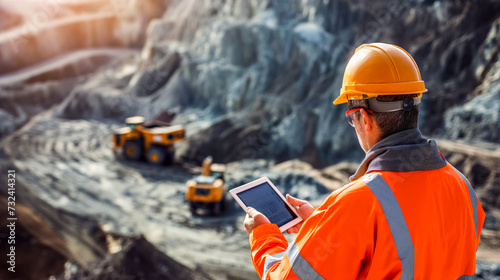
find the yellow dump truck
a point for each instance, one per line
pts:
(154, 141)
(207, 191)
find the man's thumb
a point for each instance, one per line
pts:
(294, 201)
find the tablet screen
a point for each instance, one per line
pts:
(265, 200)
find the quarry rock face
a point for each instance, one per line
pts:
(280, 69)
(57, 28)
(49, 48)
(478, 118)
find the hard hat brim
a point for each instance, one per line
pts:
(359, 95)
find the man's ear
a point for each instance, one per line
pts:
(365, 120)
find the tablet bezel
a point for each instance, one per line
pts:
(234, 193)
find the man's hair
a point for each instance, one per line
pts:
(390, 122)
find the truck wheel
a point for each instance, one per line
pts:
(169, 156)
(156, 155)
(132, 150)
(216, 208)
(222, 205)
(192, 208)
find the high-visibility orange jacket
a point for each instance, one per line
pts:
(407, 214)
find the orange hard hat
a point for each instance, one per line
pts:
(380, 69)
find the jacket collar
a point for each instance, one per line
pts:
(403, 151)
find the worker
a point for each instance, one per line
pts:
(406, 214)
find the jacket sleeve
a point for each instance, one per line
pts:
(267, 243)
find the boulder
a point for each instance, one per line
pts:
(47, 237)
(478, 118)
(137, 259)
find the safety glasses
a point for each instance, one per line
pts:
(349, 115)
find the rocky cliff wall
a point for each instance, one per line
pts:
(278, 65)
(48, 30)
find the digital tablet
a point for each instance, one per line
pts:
(264, 197)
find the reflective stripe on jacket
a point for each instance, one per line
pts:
(384, 225)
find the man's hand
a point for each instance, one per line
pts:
(304, 209)
(254, 219)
